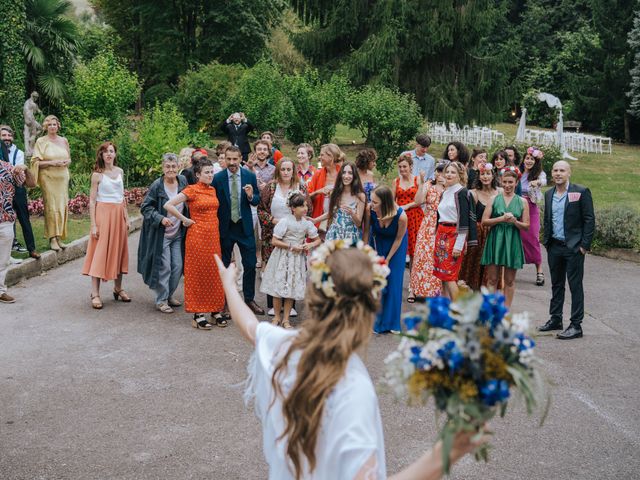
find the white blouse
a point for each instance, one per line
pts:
(279, 207)
(351, 429)
(448, 212)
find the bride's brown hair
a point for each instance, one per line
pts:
(334, 329)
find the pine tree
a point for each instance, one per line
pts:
(634, 86)
(453, 55)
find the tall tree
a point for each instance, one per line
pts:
(12, 62)
(634, 87)
(453, 55)
(165, 38)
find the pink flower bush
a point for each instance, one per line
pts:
(80, 203)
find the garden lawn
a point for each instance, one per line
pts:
(613, 179)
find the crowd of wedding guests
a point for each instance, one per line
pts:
(468, 218)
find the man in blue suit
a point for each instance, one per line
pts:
(237, 190)
(569, 224)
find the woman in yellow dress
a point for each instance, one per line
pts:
(50, 164)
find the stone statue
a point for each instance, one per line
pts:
(31, 126)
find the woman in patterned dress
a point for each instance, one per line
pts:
(202, 286)
(424, 284)
(346, 206)
(405, 188)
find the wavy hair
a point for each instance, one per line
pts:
(334, 150)
(535, 171)
(99, 165)
(334, 329)
(463, 152)
(336, 193)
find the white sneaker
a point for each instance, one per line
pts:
(293, 313)
(15, 261)
(271, 312)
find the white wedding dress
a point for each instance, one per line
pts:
(351, 430)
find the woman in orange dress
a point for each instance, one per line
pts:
(202, 286)
(405, 188)
(321, 184)
(424, 284)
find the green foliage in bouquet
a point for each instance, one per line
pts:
(469, 355)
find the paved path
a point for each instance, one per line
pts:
(129, 393)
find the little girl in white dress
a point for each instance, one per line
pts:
(285, 277)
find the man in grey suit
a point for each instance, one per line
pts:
(569, 224)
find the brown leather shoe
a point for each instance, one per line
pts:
(6, 298)
(255, 308)
(34, 254)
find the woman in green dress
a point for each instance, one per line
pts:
(507, 215)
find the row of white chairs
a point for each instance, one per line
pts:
(574, 142)
(469, 135)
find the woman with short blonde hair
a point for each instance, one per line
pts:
(50, 165)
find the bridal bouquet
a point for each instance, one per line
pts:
(471, 356)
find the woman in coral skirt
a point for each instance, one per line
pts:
(107, 255)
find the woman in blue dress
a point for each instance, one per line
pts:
(388, 235)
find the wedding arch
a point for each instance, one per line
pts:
(552, 102)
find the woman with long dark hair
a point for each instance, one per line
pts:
(532, 180)
(346, 206)
(456, 152)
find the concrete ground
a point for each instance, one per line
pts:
(130, 393)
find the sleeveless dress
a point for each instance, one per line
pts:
(202, 285)
(342, 226)
(531, 238)
(54, 183)
(504, 245)
(423, 282)
(414, 215)
(382, 239)
(108, 255)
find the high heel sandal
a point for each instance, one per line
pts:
(219, 319)
(287, 325)
(96, 302)
(60, 244)
(200, 322)
(121, 295)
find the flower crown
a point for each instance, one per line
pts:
(511, 168)
(535, 152)
(485, 166)
(321, 273)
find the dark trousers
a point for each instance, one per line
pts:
(247, 245)
(565, 264)
(22, 212)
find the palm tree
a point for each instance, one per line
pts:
(50, 44)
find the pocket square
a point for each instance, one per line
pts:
(574, 196)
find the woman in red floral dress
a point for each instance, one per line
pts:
(405, 188)
(423, 283)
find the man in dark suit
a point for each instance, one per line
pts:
(237, 127)
(237, 190)
(569, 224)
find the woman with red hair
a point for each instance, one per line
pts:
(108, 250)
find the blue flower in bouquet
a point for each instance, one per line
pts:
(439, 313)
(412, 322)
(494, 391)
(417, 359)
(523, 343)
(493, 309)
(452, 355)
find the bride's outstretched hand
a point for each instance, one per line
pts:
(227, 274)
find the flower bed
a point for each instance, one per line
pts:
(80, 203)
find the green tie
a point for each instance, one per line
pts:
(235, 207)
